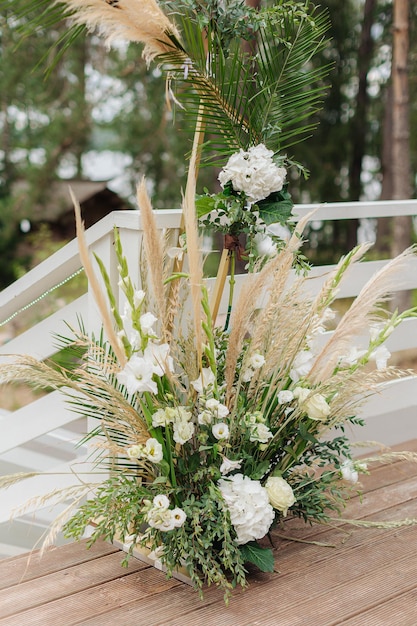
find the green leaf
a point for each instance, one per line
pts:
(276, 207)
(261, 557)
(260, 470)
(204, 204)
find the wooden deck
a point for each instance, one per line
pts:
(368, 577)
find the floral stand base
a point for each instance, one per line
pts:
(147, 556)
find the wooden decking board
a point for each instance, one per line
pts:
(25, 567)
(370, 579)
(61, 583)
(399, 611)
(95, 601)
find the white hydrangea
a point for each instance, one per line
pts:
(250, 511)
(254, 172)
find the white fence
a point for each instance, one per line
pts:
(42, 434)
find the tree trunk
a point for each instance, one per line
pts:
(401, 168)
(359, 121)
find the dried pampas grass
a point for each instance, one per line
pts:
(140, 21)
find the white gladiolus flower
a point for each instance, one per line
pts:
(138, 297)
(146, 321)
(301, 366)
(250, 511)
(204, 381)
(380, 356)
(253, 172)
(352, 357)
(153, 451)
(220, 430)
(228, 466)
(158, 355)
(285, 396)
(136, 376)
(280, 494)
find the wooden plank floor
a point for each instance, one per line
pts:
(364, 577)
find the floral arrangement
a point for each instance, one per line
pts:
(213, 435)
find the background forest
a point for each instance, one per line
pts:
(102, 115)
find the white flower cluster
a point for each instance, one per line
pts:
(151, 451)
(258, 430)
(180, 418)
(254, 172)
(250, 511)
(149, 357)
(349, 470)
(212, 410)
(161, 517)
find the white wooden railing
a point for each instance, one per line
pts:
(42, 434)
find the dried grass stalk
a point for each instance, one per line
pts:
(276, 274)
(362, 311)
(95, 286)
(193, 242)
(154, 252)
(141, 21)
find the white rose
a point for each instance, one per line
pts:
(220, 430)
(160, 418)
(183, 431)
(260, 432)
(285, 396)
(280, 493)
(316, 407)
(160, 501)
(178, 516)
(134, 452)
(153, 451)
(256, 361)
